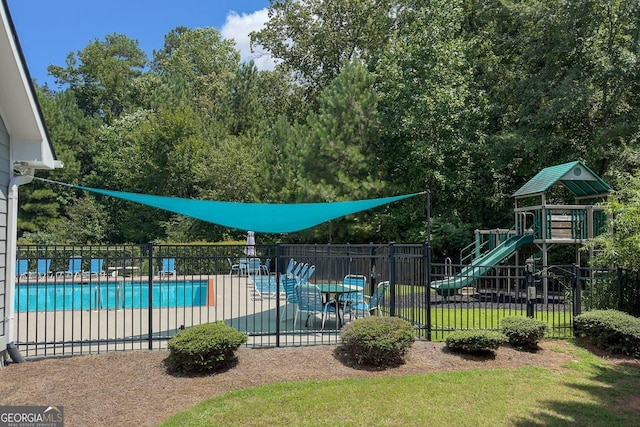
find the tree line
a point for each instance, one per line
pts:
(370, 98)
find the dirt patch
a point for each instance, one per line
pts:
(135, 388)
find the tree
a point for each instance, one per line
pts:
(42, 205)
(163, 152)
(86, 223)
(203, 64)
(316, 39)
(432, 114)
(278, 171)
(194, 53)
(561, 78)
(101, 75)
(620, 245)
(371, 97)
(336, 154)
(39, 211)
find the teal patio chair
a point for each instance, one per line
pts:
(244, 266)
(43, 268)
(368, 304)
(22, 268)
(253, 266)
(296, 270)
(375, 300)
(75, 268)
(95, 267)
(265, 285)
(290, 267)
(310, 301)
(233, 268)
(304, 278)
(354, 299)
(264, 268)
(301, 272)
(288, 285)
(167, 267)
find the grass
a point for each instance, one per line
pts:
(444, 320)
(482, 318)
(590, 391)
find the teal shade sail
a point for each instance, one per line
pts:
(259, 217)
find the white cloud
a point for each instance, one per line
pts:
(238, 27)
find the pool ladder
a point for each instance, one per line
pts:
(97, 298)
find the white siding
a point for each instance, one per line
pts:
(5, 170)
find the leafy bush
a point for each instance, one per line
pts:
(610, 330)
(475, 341)
(204, 347)
(523, 332)
(601, 292)
(377, 341)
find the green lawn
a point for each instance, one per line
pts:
(590, 391)
(444, 320)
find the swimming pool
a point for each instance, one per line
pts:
(94, 296)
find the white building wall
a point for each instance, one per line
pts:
(5, 172)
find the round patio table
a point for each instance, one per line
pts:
(337, 289)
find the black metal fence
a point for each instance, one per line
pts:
(88, 299)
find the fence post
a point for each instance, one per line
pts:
(372, 274)
(577, 290)
(531, 288)
(392, 278)
(620, 290)
(278, 313)
(150, 295)
(426, 257)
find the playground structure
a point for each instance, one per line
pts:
(538, 222)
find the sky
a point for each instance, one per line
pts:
(49, 30)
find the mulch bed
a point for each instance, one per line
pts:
(137, 388)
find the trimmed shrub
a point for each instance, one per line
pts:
(610, 330)
(377, 341)
(204, 347)
(523, 332)
(475, 341)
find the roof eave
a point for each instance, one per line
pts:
(30, 141)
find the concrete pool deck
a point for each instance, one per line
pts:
(236, 302)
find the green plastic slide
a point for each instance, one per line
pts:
(480, 265)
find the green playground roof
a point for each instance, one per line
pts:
(575, 176)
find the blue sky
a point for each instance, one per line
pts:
(49, 30)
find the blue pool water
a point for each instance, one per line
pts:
(93, 296)
(266, 284)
